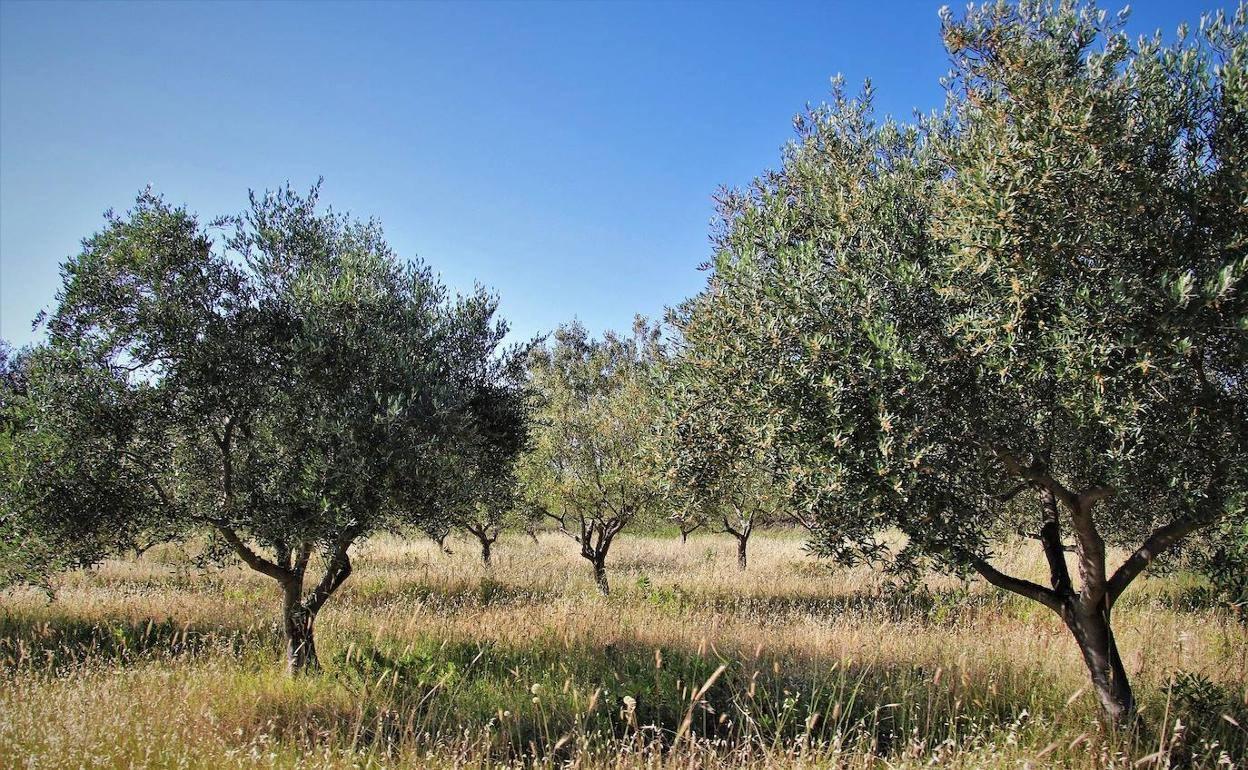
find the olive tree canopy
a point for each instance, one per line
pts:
(1026, 314)
(292, 387)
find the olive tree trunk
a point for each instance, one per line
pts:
(742, 532)
(742, 557)
(1095, 637)
(594, 537)
(486, 537)
(299, 610)
(600, 573)
(1086, 610)
(299, 625)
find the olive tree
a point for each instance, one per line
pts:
(1026, 313)
(61, 419)
(478, 494)
(592, 466)
(688, 522)
(736, 502)
(287, 387)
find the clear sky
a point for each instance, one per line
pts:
(563, 154)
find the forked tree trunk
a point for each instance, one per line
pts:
(441, 541)
(1086, 611)
(299, 624)
(486, 536)
(595, 539)
(487, 540)
(742, 534)
(743, 541)
(686, 530)
(299, 611)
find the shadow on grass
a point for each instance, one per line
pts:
(926, 607)
(446, 598)
(65, 642)
(554, 692)
(549, 697)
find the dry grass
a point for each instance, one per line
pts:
(431, 660)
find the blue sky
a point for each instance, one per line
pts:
(563, 154)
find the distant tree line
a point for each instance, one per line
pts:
(1026, 313)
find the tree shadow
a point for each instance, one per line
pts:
(927, 607)
(64, 642)
(533, 695)
(447, 598)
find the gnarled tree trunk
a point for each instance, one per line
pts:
(594, 538)
(741, 532)
(298, 623)
(298, 610)
(486, 537)
(600, 573)
(1095, 637)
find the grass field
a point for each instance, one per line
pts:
(431, 660)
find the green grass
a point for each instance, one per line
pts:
(431, 661)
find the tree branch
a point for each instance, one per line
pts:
(1161, 540)
(1026, 588)
(1066, 548)
(1010, 494)
(1091, 550)
(685, 527)
(336, 572)
(1037, 474)
(250, 557)
(1095, 493)
(301, 561)
(1051, 539)
(563, 527)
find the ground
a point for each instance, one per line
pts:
(432, 660)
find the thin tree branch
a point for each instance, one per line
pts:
(1010, 494)
(563, 526)
(1037, 474)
